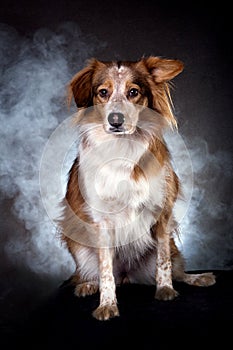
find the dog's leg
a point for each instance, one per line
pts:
(108, 302)
(196, 279)
(204, 279)
(164, 287)
(84, 279)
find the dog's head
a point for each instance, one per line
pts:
(118, 88)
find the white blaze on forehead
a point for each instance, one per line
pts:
(123, 70)
(119, 76)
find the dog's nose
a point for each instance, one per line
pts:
(116, 119)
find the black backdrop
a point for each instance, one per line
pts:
(199, 34)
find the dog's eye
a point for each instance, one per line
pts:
(103, 93)
(133, 92)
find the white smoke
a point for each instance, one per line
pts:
(207, 232)
(34, 75)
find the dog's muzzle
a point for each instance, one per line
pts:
(116, 120)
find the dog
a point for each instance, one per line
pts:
(118, 222)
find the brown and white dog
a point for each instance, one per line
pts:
(118, 219)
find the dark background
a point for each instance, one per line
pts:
(43, 43)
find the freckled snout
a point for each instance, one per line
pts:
(116, 120)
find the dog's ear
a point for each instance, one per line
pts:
(80, 87)
(163, 70)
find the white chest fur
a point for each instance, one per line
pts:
(121, 205)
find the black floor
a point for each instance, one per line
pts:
(198, 315)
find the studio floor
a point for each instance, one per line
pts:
(197, 315)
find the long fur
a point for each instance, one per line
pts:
(118, 219)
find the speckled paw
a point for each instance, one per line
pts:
(106, 312)
(87, 288)
(165, 293)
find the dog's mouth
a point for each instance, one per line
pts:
(120, 130)
(117, 130)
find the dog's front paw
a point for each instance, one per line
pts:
(165, 293)
(86, 288)
(105, 312)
